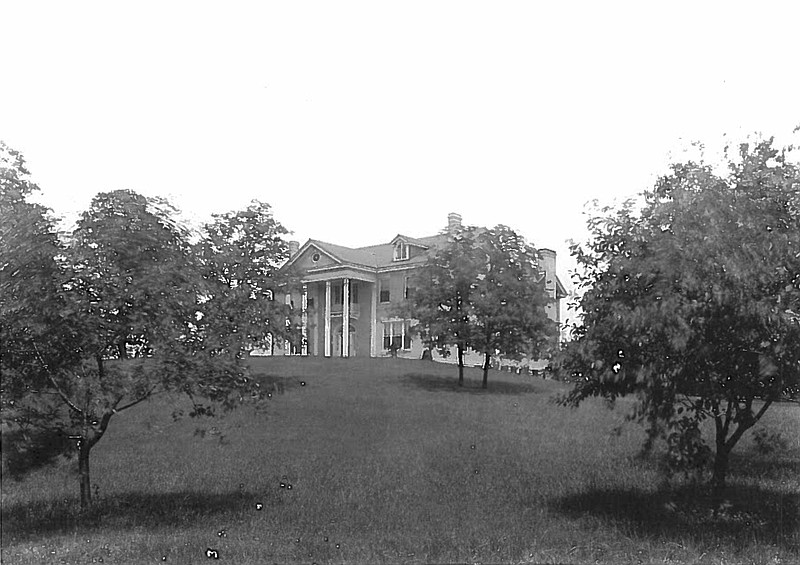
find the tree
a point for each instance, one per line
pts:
(241, 253)
(29, 306)
(481, 290)
(440, 294)
(692, 303)
(99, 323)
(508, 306)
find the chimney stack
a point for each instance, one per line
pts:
(453, 223)
(294, 247)
(549, 267)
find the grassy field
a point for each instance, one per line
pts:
(386, 461)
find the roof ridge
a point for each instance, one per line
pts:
(408, 237)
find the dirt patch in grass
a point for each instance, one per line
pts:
(748, 514)
(438, 383)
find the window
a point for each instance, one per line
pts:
(406, 289)
(384, 293)
(337, 292)
(400, 251)
(397, 333)
(315, 257)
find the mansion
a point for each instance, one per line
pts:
(349, 295)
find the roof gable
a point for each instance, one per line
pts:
(408, 241)
(312, 255)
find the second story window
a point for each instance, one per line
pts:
(383, 291)
(400, 251)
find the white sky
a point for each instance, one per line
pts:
(358, 121)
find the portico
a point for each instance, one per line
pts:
(338, 315)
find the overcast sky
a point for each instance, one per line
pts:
(358, 121)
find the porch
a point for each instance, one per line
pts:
(338, 317)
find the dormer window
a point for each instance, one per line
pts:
(400, 251)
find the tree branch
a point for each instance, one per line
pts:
(748, 423)
(60, 392)
(728, 416)
(101, 430)
(760, 413)
(718, 423)
(142, 398)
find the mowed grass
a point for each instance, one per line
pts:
(387, 461)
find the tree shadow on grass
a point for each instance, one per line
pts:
(749, 514)
(126, 511)
(437, 383)
(277, 384)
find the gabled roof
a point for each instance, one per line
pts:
(424, 242)
(305, 247)
(381, 256)
(344, 254)
(372, 256)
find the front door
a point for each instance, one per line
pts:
(338, 342)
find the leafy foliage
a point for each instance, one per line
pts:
(240, 254)
(482, 290)
(692, 303)
(508, 309)
(121, 310)
(440, 294)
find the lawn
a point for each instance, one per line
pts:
(387, 461)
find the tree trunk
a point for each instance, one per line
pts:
(83, 474)
(487, 358)
(460, 350)
(720, 472)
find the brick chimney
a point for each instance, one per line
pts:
(294, 247)
(548, 265)
(453, 223)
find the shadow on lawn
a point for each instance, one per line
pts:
(437, 383)
(127, 511)
(750, 514)
(276, 384)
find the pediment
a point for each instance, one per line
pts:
(312, 256)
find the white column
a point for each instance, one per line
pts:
(373, 332)
(316, 323)
(287, 345)
(346, 318)
(327, 318)
(304, 321)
